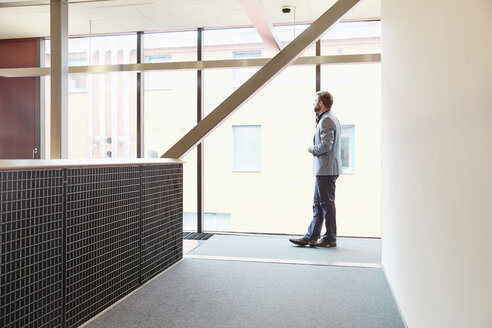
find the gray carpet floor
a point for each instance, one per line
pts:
(348, 249)
(214, 293)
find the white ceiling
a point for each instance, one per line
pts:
(112, 16)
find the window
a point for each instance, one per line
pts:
(247, 148)
(77, 83)
(241, 75)
(158, 80)
(347, 147)
(212, 221)
(352, 38)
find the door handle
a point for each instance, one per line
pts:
(34, 152)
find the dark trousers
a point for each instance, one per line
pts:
(324, 209)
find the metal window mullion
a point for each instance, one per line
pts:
(41, 89)
(318, 66)
(140, 97)
(200, 150)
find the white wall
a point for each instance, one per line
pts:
(437, 160)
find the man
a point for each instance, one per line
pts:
(327, 167)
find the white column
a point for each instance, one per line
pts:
(59, 78)
(436, 160)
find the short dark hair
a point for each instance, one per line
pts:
(326, 98)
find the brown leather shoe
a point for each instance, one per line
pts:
(303, 241)
(323, 243)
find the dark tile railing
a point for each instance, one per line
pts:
(75, 240)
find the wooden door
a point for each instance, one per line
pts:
(19, 101)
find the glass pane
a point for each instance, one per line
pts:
(170, 108)
(110, 117)
(101, 107)
(284, 112)
(356, 90)
(102, 119)
(159, 80)
(167, 47)
(169, 113)
(222, 43)
(170, 46)
(117, 49)
(286, 34)
(348, 38)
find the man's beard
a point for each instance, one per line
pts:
(317, 109)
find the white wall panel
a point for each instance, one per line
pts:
(436, 160)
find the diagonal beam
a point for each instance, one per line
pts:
(258, 16)
(261, 78)
(258, 80)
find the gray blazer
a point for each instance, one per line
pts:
(326, 149)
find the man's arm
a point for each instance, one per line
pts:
(327, 138)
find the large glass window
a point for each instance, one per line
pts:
(283, 110)
(101, 107)
(170, 107)
(268, 135)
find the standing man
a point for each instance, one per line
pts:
(327, 166)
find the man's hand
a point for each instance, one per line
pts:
(310, 149)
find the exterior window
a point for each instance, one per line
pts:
(77, 83)
(213, 221)
(347, 147)
(241, 75)
(247, 148)
(158, 80)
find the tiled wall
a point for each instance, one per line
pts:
(74, 241)
(162, 224)
(31, 248)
